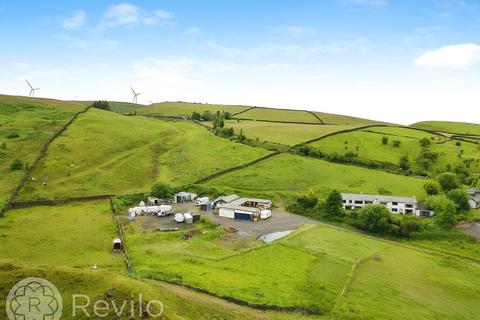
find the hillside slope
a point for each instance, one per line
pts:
(107, 153)
(26, 124)
(449, 127)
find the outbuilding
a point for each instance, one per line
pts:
(184, 197)
(247, 209)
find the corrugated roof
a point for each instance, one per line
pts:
(377, 197)
(237, 204)
(228, 199)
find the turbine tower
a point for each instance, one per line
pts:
(32, 89)
(135, 95)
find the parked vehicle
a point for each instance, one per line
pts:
(179, 218)
(265, 214)
(188, 217)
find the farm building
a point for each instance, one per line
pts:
(474, 198)
(248, 209)
(184, 197)
(225, 199)
(150, 210)
(400, 205)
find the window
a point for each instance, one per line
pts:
(358, 202)
(409, 211)
(394, 203)
(344, 201)
(409, 205)
(394, 210)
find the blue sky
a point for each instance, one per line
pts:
(400, 61)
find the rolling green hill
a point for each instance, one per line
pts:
(107, 153)
(185, 109)
(449, 126)
(281, 115)
(287, 176)
(367, 143)
(118, 106)
(283, 133)
(329, 118)
(26, 124)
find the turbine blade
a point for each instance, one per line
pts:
(29, 84)
(133, 90)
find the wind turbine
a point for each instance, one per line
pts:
(32, 89)
(135, 95)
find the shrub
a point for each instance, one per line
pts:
(461, 198)
(196, 116)
(16, 164)
(12, 135)
(397, 143)
(445, 211)
(308, 201)
(425, 142)
(101, 104)
(162, 190)
(374, 218)
(384, 140)
(404, 162)
(432, 187)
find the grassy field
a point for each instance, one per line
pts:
(390, 282)
(329, 118)
(179, 304)
(25, 126)
(278, 115)
(285, 176)
(118, 106)
(283, 133)
(186, 108)
(75, 235)
(451, 127)
(367, 143)
(106, 153)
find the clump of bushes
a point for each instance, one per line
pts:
(16, 164)
(101, 104)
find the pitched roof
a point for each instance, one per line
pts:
(237, 204)
(377, 197)
(227, 199)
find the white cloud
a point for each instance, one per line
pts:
(126, 14)
(75, 21)
(460, 56)
(192, 31)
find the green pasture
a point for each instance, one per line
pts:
(76, 235)
(367, 143)
(25, 126)
(187, 108)
(278, 115)
(449, 126)
(329, 118)
(286, 176)
(107, 153)
(283, 133)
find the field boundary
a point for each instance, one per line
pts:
(239, 302)
(279, 121)
(43, 152)
(128, 265)
(54, 202)
(316, 116)
(245, 110)
(242, 166)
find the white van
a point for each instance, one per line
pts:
(179, 218)
(265, 214)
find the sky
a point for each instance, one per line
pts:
(400, 61)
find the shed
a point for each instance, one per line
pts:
(184, 197)
(117, 244)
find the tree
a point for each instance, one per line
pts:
(448, 181)
(404, 162)
(425, 142)
(445, 211)
(397, 143)
(207, 115)
(384, 140)
(461, 198)
(227, 115)
(309, 200)
(162, 190)
(334, 204)
(101, 104)
(432, 187)
(196, 116)
(374, 218)
(16, 164)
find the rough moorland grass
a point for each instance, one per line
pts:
(329, 118)
(178, 304)
(451, 127)
(367, 143)
(186, 108)
(279, 115)
(106, 153)
(398, 283)
(288, 175)
(283, 133)
(310, 269)
(34, 121)
(75, 235)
